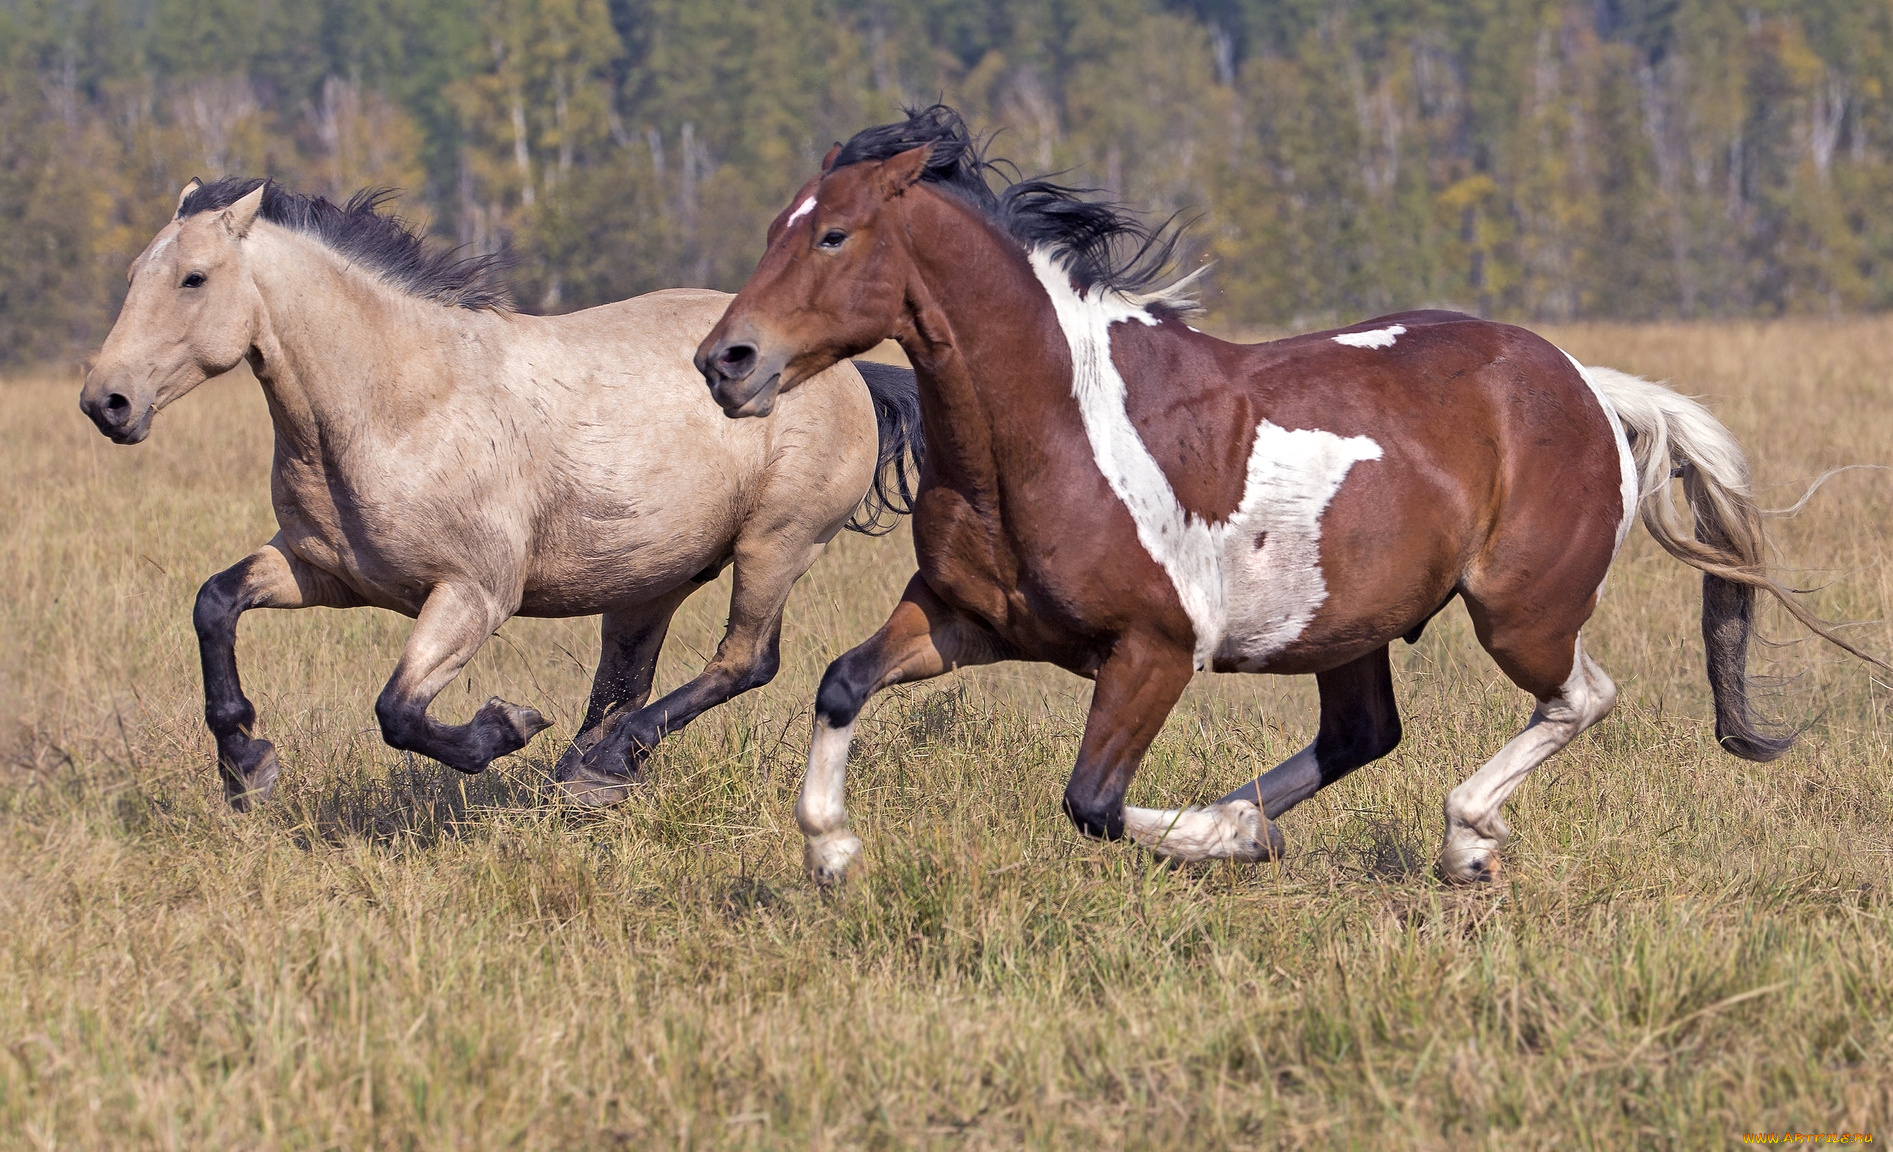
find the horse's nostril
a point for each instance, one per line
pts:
(737, 359)
(117, 407)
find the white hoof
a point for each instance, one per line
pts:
(1467, 857)
(827, 856)
(1234, 830)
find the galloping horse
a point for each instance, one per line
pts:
(446, 458)
(1109, 490)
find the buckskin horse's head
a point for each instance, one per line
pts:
(188, 315)
(830, 285)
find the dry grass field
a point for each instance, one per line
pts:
(1684, 947)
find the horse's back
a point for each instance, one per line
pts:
(640, 461)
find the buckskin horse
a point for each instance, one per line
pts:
(1112, 491)
(442, 456)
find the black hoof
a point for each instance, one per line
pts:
(1277, 846)
(591, 787)
(506, 727)
(249, 775)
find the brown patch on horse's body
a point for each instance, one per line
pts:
(1409, 459)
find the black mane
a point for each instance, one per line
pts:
(1103, 244)
(358, 230)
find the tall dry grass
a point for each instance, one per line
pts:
(1685, 947)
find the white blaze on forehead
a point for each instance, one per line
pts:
(1378, 338)
(1215, 568)
(801, 210)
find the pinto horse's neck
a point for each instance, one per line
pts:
(992, 365)
(960, 354)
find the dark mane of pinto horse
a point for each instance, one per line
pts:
(1102, 243)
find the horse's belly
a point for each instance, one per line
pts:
(1270, 603)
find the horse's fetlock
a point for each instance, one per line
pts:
(1097, 819)
(233, 716)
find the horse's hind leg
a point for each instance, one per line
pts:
(1360, 723)
(1573, 694)
(770, 558)
(453, 624)
(270, 577)
(630, 640)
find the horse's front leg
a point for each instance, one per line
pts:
(270, 577)
(1137, 686)
(923, 638)
(454, 622)
(1360, 723)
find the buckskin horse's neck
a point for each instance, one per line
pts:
(338, 353)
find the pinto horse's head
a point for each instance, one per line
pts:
(189, 315)
(830, 285)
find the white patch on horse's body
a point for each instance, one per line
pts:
(1244, 602)
(1272, 551)
(801, 210)
(1378, 338)
(1626, 460)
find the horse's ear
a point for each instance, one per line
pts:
(898, 173)
(828, 161)
(240, 216)
(193, 186)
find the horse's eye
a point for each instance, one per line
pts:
(832, 238)
(194, 280)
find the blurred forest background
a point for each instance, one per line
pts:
(1522, 158)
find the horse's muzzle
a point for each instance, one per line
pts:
(116, 415)
(742, 381)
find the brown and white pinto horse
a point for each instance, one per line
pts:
(1109, 490)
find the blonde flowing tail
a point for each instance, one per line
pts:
(1672, 435)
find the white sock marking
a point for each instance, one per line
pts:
(819, 809)
(1474, 828)
(1378, 338)
(801, 210)
(1233, 830)
(1262, 598)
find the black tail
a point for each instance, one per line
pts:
(897, 416)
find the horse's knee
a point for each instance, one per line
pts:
(215, 612)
